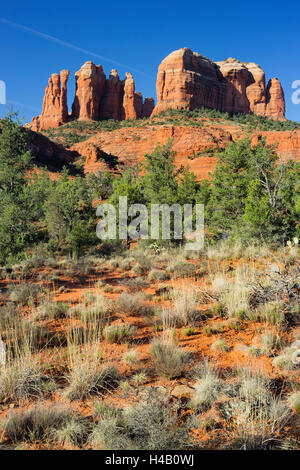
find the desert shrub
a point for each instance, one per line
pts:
(118, 332)
(259, 416)
(182, 269)
(8, 317)
(135, 284)
(38, 423)
(284, 360)
(149, 425)
(24, 380)
(130, 357)
(220, 345)
(87, 379)
(169, 360)
(207, 389)
(53, 310)
(158, 275)
(272, 312)
(139, 378)
(133, 304)
(294, 401)
(236, 299)
(220, 285)
(184, 305)
(72, 433)
(269, 342)
(25, 293)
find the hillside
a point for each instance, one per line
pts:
(197, 138)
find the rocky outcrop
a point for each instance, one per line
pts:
(132, 103)
(90, 82)
(256, 89)
(189, 80)
(275, 100)
(148, 107)
(55, 109)
(237, 77)
(96, 98)
(110, 106)
(185, 80)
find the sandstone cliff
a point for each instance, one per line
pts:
(96, 98)
(90, 82)
(185, 80)
(55, 109)
(189, 80)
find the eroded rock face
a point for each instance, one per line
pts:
(237, 77)
(132, 103)
(110, 106)
(189, 80)
(95, 98)
(90, 81)
(55, 109)
(256, 89)
(148, 107)
(275, 100)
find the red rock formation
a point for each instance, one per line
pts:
(237, 77)
(256, 90)
(132, 103)
(95, 98)
(90, 81)
(148, 107)
(110, 106)
(189, 80)
(55, 110)
(275, 100)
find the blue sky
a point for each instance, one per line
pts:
(138, 35)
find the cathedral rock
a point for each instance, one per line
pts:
(96, 98)
(185, 80)
(189, 80)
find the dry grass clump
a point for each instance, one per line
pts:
(25, 293)
(131, 357)
(184, 305)
(132, 304)
(158, 275)
(147, 426)
(258, 415)
(52, 310)
(220, 345)
(135, 284)
(97, 311)
(169, 360)
(88, 378)
(24, 380)
(207, 389)
(269, 342)
(294, 401)
(284, 360)
(181, 269)
(38, 423)
(272, 312)
(119, 332)
(183, 312)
